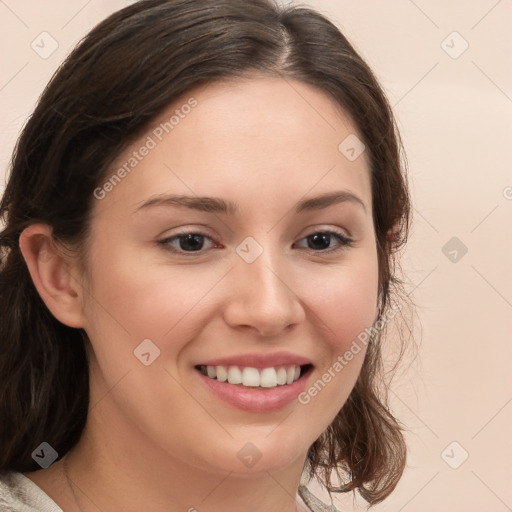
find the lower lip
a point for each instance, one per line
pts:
(256, 399)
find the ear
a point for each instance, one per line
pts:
(51, 274)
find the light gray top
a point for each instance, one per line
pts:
(19, 494)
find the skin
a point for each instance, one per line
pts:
(170, 444)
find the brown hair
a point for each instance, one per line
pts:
(120, 76)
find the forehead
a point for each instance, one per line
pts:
(280, 113)
(265, 134)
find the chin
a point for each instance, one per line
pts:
(262, 451)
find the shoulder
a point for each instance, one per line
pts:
(313, 503)
(19, 494)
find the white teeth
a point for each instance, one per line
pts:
(269, 378)
(252, 377)
(234, 375)
(222, 374)
(281, 376)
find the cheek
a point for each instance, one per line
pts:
(345, 301)
(344, 306)
(134, 300)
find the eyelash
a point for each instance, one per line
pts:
(344, 242)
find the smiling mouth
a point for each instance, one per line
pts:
(247, 376)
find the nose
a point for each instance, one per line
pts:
(263, 297)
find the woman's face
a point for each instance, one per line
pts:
(279, 272)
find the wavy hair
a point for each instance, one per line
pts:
(122, 75)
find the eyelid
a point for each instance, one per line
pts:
(189, 231)
(344, 241)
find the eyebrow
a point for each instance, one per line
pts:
(218, 205)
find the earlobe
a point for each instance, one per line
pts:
(52, 275)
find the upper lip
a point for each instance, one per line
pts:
(256, 360)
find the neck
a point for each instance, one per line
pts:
(118, 471)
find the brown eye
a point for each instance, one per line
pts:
(186, 242)
(322, 240)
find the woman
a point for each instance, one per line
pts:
(201, 224)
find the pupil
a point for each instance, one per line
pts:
(191, 242)
(322, 239)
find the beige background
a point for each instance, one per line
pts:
(454, 109)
